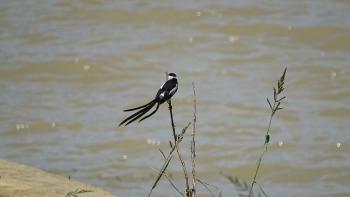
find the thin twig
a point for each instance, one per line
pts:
(177, 148)
(168, 177)
(206, 186)
(168, 159)
(184, 169)
(193, 144)
(161, 173)
(172, 184)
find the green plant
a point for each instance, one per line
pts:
(274, 107)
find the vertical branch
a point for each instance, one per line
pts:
(172, 120)
(184, 169)
(177, 148)
(176, 144)
(193, 144)
(171, 113)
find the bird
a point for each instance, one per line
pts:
(165, 92)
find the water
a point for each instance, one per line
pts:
(68, 68)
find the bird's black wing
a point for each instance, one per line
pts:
(169, 85)
(167, 90)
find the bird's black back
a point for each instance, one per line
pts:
(168, 89)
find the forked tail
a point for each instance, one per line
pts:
(138, 114)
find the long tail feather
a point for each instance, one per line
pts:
(144, 111)
(136, 108)
(140, 112)
(150, 113)
(135, 114)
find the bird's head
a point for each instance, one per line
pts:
(171, 76)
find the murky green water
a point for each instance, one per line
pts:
(68, 68)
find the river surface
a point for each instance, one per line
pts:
(69, 67)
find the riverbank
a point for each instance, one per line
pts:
(21, 180)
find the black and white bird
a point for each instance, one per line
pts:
(165, 92)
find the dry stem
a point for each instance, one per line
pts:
(193, 144)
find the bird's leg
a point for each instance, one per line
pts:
(169, 103)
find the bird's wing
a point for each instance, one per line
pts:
(172, 91)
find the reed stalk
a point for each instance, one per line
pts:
(274, 108)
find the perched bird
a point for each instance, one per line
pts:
(165, 92)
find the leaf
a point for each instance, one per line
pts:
(240, 185)
(268, 101)
(284, 74)
(267, 138)
(278, 104)
(280, 89)
(160, 150)
(279, 100)
(262, 191)
(281, 82)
